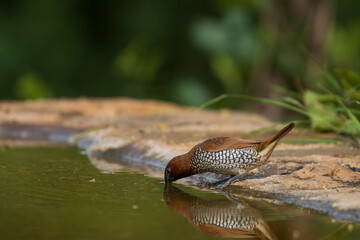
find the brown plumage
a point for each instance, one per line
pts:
(222, 218)
(225, 155)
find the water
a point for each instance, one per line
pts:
(55, 193)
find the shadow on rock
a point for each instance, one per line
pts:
(224, 218)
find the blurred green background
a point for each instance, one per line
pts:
(182, 51)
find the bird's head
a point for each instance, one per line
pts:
(177, 168)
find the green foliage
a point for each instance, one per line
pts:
(139, 61)
(319, 109)
(31, 86)
(230, 43)
(326, 111)
(189, 91)
(181, 51)
(336, 109)
(232, 35)
(343, 46)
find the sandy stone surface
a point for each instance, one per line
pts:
(145, 135)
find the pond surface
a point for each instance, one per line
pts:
(55, 193)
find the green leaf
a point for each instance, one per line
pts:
(354, 120)
(321, 110)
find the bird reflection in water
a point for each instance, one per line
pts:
(224, 218)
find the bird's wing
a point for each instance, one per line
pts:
(225, 143)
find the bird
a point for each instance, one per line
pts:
(221, 218)
(224, 155)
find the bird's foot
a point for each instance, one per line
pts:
(209, 185)
(223, 184)
(220, 184)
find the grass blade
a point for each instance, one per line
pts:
(294, 102)
(329, 77)
(259, 99)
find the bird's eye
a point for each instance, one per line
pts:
(168, 170)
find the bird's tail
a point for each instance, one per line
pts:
(270, 143)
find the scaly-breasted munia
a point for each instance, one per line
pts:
(225, 155)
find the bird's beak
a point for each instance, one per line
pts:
(168, 179)
(168, 176)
